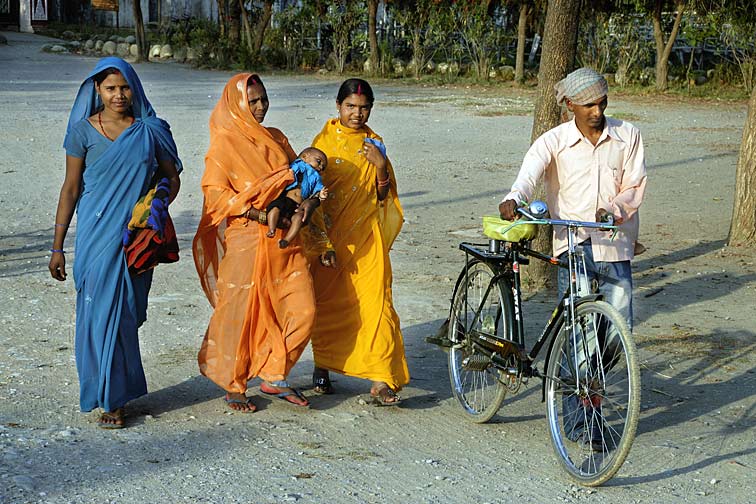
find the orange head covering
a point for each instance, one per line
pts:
(247, 165)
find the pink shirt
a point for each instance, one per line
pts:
(580, 178)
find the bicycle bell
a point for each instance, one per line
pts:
(538, 209)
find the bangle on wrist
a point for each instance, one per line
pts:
(262, 216)
(384, 182)
(54, 250)
(61, 225)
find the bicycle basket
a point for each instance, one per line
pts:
(498, 229)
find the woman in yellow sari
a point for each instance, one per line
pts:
(357, 331)
(264, 305)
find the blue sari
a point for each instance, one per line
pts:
(110, 303)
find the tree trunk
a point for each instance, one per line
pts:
(663, 49)
(557, 59)
(234, 14)
(372, 37)
(262, 25)
(222, 17)
(141, 39)
(522, 25)
(418, 51)
(247, 26)
(743, 224)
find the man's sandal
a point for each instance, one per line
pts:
(244, 406)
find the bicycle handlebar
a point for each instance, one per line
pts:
(532, 219)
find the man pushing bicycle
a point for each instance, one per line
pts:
(592, 166)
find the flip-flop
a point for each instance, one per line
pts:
(113, 415)
(248, 402)
(383, 394)
(286, 395)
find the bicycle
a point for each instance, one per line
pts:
(590, 377)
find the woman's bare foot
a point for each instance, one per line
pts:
(240, 402)
(383, 394)
(111, 419)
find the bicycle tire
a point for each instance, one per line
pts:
(480, 392)
(593, 403)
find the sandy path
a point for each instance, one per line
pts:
(456, 152)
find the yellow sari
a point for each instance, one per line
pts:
(357, 331)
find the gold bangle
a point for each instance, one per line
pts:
(262, 216)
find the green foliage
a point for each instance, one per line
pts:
(479, 35)
(295, 36)
(344, 17)
(595, 43)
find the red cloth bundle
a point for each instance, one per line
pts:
(148, 248)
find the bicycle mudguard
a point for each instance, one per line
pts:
(552, 338)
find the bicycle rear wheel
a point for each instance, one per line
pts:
(475, 382)
(593, 393)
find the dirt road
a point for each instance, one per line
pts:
(456, 151)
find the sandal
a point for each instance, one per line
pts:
(383, 395)
(111, 419)
(244, 406)
(321, 382)
(290, 395)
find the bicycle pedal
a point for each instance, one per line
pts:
(443, 342)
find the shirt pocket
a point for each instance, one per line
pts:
(613, 167)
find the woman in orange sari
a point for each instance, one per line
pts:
(357, 330)
(262, 295)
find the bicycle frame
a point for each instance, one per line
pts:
(507, 266)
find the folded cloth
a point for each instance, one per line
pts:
(150, 211)
(149, 237)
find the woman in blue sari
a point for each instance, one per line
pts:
(114, 144)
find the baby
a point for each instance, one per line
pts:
(307, 184)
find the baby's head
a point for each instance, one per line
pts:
(315, 158)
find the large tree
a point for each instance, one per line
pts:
(664, 47)
(254, 37)
(557, 60)
(141, 40)
(525, 10)
(372, 7)
(743, 224)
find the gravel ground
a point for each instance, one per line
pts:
(456, 151)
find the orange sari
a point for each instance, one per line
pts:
(357, 330)
(262, 295)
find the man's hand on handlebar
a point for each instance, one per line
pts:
(508, 210)
(603, 215)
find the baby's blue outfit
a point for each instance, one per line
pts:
(306, 177)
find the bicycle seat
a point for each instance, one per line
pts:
(498, 229)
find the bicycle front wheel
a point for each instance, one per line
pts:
(593, 393)
(484, 306)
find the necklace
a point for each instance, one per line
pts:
(102, 128)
